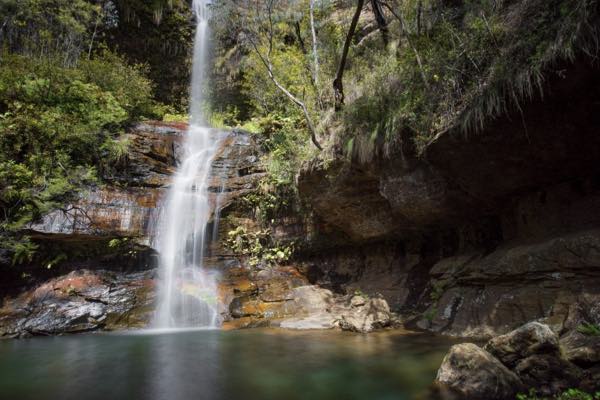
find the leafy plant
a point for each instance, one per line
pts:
(589, 329)
(258, 246)
(60, 130)
(569, 394)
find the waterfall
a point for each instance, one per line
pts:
(187, 296)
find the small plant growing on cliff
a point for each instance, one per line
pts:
(437, 290)
(569, 394)
(589, 329)
(430, 314)
(123, 246)
(258, 246)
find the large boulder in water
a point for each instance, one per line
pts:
(470, 372)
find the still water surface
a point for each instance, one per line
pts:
(252, 364)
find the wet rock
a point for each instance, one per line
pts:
(530, 339)
(127, 205)
(80, 301)
(549, 374)
(552, 280)
(323, 320)
(473, 373)
(370, 315)
(580, 349)
(533, 353)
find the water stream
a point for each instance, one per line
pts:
(187, 294)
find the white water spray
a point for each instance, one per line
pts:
(187, 295)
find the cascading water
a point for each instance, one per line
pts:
(188, 293)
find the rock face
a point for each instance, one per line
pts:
(80, 301)
(472, 373)
(126, 206)
(282, 297)
(532, 357)
(481, 234)
(555, 280)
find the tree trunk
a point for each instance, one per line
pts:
(299, 36)
(338, 85)
(380, 18)
(314, 44)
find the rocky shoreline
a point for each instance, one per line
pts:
(531, 358)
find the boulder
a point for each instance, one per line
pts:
(580, 349)
(549, 374)
(366, 316)
(312, 299)
(530, 339)
(533, 353)
(472, 373)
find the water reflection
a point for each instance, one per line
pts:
(220, 365)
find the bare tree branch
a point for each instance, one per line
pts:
(266, 61)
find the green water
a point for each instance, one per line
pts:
(253, 364)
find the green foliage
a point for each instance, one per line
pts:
(176, 118)
(435, 294)
(359, 292)
(124, 246)
(569, 394)
(43, 28)
(437, 290)
(159, 34)
(430, 314)
(448, 65)
(286, 149)
(23, 249)
(59, 128)
(469, 63)
(258, 246)
(589, 329)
